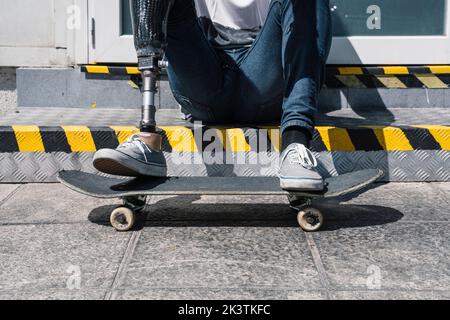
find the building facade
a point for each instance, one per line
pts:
(76, 32)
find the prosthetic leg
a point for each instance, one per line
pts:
(150, 35)
(141, 154)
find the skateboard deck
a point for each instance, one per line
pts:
(106, 187)
(134, 191)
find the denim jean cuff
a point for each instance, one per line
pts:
(297, 123)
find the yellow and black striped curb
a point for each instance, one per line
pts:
(110, 70)
(183, 139)
(391, 77)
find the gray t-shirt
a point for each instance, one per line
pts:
(232, 23)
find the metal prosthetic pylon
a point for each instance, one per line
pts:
(150, 77)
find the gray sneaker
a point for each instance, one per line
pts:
(298, 169)
(132, 158)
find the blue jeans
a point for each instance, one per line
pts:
(276, 80)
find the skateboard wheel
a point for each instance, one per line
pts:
(122, 219)
(310, 219)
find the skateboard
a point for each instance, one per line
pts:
(134, 191)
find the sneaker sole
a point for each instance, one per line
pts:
(117, 163)
(301, 184)
(110, 166)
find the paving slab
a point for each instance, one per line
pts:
(424, 202)
(59, 257)
(423, 196)
(387, 203)
(222, 294)
(6, 190)
(52, 294)
(378, 194)
(394, 237)
(444, 189)
(398, 256)
(390, 295)
(348, 216)
(248, 258)
(50, 203)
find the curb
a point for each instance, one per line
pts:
(70, 139)
(388, 77)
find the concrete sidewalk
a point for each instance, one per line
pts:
(392, 242)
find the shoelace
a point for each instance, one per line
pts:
(298, 153)
(136, 141)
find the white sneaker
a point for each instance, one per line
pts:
(132, 158)
(298, 169)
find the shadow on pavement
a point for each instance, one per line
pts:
(345, 216)
(184, 212)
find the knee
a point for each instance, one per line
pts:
(281, 3)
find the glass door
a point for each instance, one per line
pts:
(390, 32)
